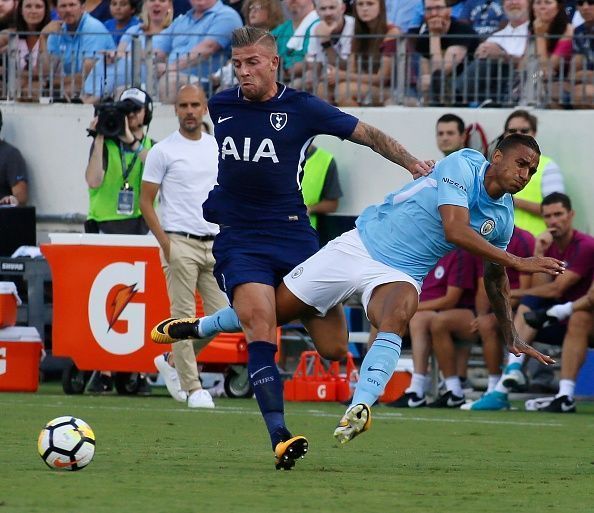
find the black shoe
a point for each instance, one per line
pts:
(143, 386)
(448, 400)
(100, 384)
(563, 404)
(409, 400)
(538, 319)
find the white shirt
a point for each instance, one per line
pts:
(186, 171)
(342, 47)
(512, 39)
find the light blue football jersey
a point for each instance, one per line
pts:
(405, 231)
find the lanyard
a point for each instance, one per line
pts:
(127, 169)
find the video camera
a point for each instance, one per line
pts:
(112, 117)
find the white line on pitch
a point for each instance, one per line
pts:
(224, 410)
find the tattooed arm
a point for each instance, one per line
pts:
(497, 287)
(389, 148)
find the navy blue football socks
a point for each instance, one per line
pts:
(377, 368)
(268, 387)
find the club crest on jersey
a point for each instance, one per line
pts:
(278, 120)
(487, 227)
(439, 272)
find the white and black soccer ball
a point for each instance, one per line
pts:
(66, 443)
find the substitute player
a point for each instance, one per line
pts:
(466, 202)
(263, 129)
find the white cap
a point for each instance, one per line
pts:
(134, 95)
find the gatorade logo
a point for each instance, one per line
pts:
(110, 301)
(2, 360)
(322, 391)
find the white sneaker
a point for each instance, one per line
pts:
(171, 379)
(200, 399)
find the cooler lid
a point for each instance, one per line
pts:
(19, 334)
(8, 287)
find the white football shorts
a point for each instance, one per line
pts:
(340, 269)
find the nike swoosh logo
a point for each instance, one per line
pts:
(454, 403)
(64, 464)
(379, 370)
(413, 404)
(259, 370)
(220, 120)
(566, 407)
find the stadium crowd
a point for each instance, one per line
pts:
(364, 52)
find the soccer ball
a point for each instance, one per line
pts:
(66, 443)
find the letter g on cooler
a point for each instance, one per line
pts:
(103, 313)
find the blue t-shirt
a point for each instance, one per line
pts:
(485, 16)
(405, 14)
(87, 42)
(262, 147)
(406, 232)
(186, 32)
(116, 33)
(583, 44)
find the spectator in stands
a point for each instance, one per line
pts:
(450, 134)
(264, 14)
(123, 16)
(495, 60)
(553, 31)
(330, 46)
(13, 174)
(548, 178)
(74, 45)
(484, 16)
(444, 44)
(582, 91)
(522, 245)
(561, 241)
(193, 45)
(32, 16)
(98, 9)
(375, 44)
(8, 10)
(405, 14)
(293, 37)
(447, 293)
(320, 185)
(156, 15)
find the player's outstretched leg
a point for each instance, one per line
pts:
(376, 370)
(172, 330)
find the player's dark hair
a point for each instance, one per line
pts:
(524, 114)
(452, 118)
(557, 197)
(249, 36)
(514, 140)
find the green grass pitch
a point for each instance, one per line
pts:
(154, 455)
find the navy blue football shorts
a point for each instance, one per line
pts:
(256, 255)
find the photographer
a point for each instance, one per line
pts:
(116, 164)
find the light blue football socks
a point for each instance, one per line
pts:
(377, 368)
(222, 321)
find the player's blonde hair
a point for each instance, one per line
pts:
(250, 36)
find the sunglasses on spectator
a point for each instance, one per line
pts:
(582, 2)
(254, 7)
(518, 130)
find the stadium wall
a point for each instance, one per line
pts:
(53, 140)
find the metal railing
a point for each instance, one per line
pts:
(404, 78)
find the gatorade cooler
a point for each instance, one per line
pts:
(399, 381)
(9, 300)
(20, 352)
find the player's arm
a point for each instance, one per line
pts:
(148, 193)
(497, 287)
(445, 302)
(389, 148)
(457, 230)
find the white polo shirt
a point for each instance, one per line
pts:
(186, 171)
(342, 46)
(513, 40)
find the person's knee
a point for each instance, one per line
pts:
(335, 353)
(580, 325)
(487, 324)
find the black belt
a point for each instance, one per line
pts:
(192, 236)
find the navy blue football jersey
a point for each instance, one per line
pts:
(262, 149)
